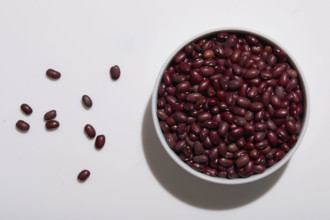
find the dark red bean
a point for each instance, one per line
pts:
(265, 99)
(252, 92)
(208, 54)
(180, 57)
(239, 111)
(234, 85)
(271, 59)
(290, 126)
(198, 147)
(281, 133)
(284, 79)
(227, 116)
(272, 138)
(292, 140)
(243, 102)
(214, 153)
(242, 161)
(53, 74)
(292, 84)
(279, 154)
(184, 67)
(211, 172)
(83, 175)
(90, 131)
(275, 101)
(162, 115)
(249, 168)
(254, 153)
(225, 162)
(266, 75)
(50, 115)
(115, 72)
(261, 145)
(193, 97)
(261, 160)
(237, 132)
(214, 137)
(52, 124)
(201, 158)
(251, 73)
(281, 113)
(180, 116)
(87, 101)
(100, 141)
(211, 124)
(259, 136)
(207, 71)
(260, 126)
(256, 106)
(22, 125)
(198, 166)
(204, 85)
(235, 55)
(259, 168)
(171, 99)
(164, 126)
(292, 73)
(183, 86)
(284, 146)
(26, 109)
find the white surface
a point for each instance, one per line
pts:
(133, 177)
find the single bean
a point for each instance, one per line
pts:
(50, 115)
(22, 125)
(90, 131)
(242, 161)
(115, 72)
(100, 141)
(52, 124)
(83, 175)
(53, 74)
(26, 109)
(87, 101)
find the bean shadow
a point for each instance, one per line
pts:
(191, 189)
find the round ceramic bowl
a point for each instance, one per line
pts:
(239, 180)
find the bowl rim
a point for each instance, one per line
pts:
(216, 179)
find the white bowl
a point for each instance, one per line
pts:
(254, 177)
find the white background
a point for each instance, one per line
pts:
(133, 177)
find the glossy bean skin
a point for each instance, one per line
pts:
(53, 74)
(26, 109)
(50, 115)
(83, 175)
(230, 105)
(115, 72)
(87, 101)
(52, 124)
(99, 141)
(90, 131)
(22, 125)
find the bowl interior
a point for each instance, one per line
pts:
(268, 171)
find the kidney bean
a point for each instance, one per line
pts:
(200, 158)
(193, 97)
(292, 140)
(239, 111)
(290, 126)
(280, 92)
(253, 154)
(26, 109)
(99, 141)
(284, 146)
(198, 166)
(50, 115)
(180, 116)
(183, 86)
(214, 153)
(258, 116)
(256, 106)
(83, 175)
(206, 71)
(243, 102)
(259, 168)
(164, 126)
(161, 103)
(180, 57)
(265, 151)
(52, 124)
(252, 40)
(261, 145)
(242, 161)
(237, 132)
(251, 73)
(234, 85)
(279, 154)
(281, 113)
(210, 124)
(208, 54)
(239, 121)
(259, 136)
(272, 138)
(249, 168)
(252, 92)
(53, 74)
(214, 137)
(204, 85)
(225, 162)
(198, 147)
(161, 89)
(281, 133)
(162, 115)
(249, 130)
(211, 172)
(271, 59)
(90, 131)
(292, 84)
(284, 79)
(292, 73)
(88, 101)
(22, 125)
(275, 101)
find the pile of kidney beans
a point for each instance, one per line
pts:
(230, 105)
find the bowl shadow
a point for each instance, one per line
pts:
(190, 189)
